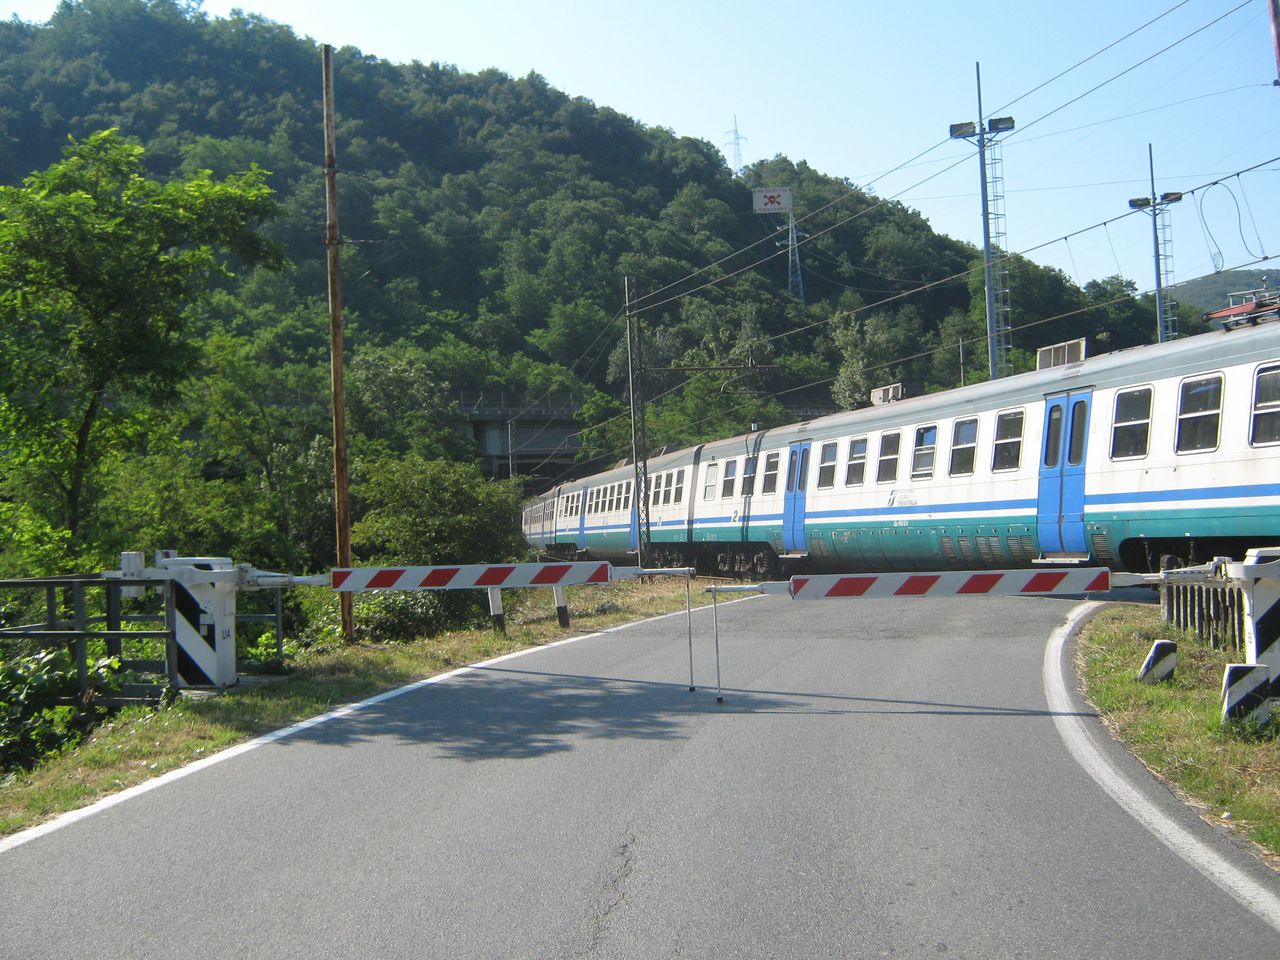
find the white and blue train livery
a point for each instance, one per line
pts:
(1166, 450)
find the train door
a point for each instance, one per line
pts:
(1060, 504)
(793, 502)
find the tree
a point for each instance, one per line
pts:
(97, 266)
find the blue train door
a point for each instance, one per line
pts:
(793, 503)
(1060, 505)
(582, 519)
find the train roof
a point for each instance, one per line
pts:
(1119, 368)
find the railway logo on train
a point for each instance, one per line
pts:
(1165, 451)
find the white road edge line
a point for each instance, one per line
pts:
(1235, 882)
(74, 816)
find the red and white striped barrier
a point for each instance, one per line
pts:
(469, 576)
(991, 583)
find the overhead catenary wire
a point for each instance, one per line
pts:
(641, 303)
(927, 286)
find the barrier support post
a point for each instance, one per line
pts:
(495, 609)
(562, 606)
(688, 619)
(715, 621)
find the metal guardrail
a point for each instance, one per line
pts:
(77, 628)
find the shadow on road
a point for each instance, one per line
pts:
(503, 713)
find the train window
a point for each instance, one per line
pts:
(964, 447)
(730, 478)
(748, 476)
(679, 485)
(626, 496)
(827, 466)
(1053, 436)
(1199, 408)
(923, 454)
(1131, 427)
(887, 471)
(770, 482)
(710, 481)
(656, 495)
(666, 490)
(1079, 424)
(1266, 407)
(855, 470)
(1007, 454)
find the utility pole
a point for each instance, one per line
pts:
(332, 243)
(639, 443)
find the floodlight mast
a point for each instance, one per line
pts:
(984, 131)
(1166, 321)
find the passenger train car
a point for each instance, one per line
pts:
(1120, 459)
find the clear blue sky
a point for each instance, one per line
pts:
(857, 88)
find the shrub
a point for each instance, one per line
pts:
(40, 710)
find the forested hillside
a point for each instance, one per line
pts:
(488, 225)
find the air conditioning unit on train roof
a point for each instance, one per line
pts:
(882, 395)
(1060, 354)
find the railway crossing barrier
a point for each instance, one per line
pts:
(494, 578)
(946, 583)
(1225, 602)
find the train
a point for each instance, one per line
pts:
(1167, 453)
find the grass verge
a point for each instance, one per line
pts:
(138, 743)
(1230, 771)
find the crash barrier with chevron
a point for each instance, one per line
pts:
(1229, 605)
(196, 619)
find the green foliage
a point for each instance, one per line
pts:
(424, 512)
(34, 723)
(431, 511)
(97, 263)
(265, 655)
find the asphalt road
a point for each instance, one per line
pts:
(884, 779)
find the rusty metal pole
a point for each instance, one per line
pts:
(332, 243)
